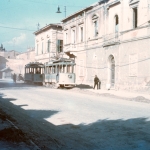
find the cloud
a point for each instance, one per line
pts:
(17, 40)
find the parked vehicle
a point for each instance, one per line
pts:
(34, 72)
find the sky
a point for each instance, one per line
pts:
(19, 19)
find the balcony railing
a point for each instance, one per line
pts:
(70, 47)
(111, 39)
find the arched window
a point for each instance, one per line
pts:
(116, 23)
(95, 24)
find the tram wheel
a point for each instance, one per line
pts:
(43, 83)
(47, 84)
(62, 86)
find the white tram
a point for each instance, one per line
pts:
(34, 72)
(60, 73)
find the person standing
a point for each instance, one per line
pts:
(96, 82)
(14, 77)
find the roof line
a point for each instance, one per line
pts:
(48, 26)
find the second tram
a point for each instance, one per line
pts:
(34, 72)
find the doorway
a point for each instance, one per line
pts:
(111, 71)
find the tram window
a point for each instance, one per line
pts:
(41, 70)
(64, 67)
(47, 69)
(50, 70)
(73, 67)
(53, 69)
(38, 71)
(68, 69)
(31, 70)
(58, 69)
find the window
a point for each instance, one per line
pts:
(59, 46)
(116, 23)
(95, 28)
(42, 47)
(73, 37)
(135, 17)
(66, 38)
(81, 33)
(95, 24)
(37, 49)
(48, 46)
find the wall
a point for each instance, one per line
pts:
(129, 46)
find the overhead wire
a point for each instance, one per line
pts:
(16, 28)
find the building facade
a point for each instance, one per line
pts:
(15, 63)
(48, 42)
(111, 39)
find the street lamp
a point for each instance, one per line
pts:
(58, 10)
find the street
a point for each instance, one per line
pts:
(68, 119)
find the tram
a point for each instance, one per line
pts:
(60, 73)
(34, 72)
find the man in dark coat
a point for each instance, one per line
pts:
(14, 77)
(96, 82)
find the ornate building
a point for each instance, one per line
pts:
(111, 39)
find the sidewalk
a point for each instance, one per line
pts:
(121, 93)
(118, 93)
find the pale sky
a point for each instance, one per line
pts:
(17, 15)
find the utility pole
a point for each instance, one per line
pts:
(65, 10)
(38, 26)
(49, 42)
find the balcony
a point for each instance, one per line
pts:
(70, 47)
(111, 39)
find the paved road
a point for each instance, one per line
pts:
(67, 119)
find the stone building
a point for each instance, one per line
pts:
(16, 62)
(111, 38)
(48, 42)
(9, 54)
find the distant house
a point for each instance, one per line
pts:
(3, 66)
(13, 61)
(6, 73)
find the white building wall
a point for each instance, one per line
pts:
(52, 34)
(129, 47)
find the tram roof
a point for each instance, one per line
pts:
(60, 61)
(34, 64)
